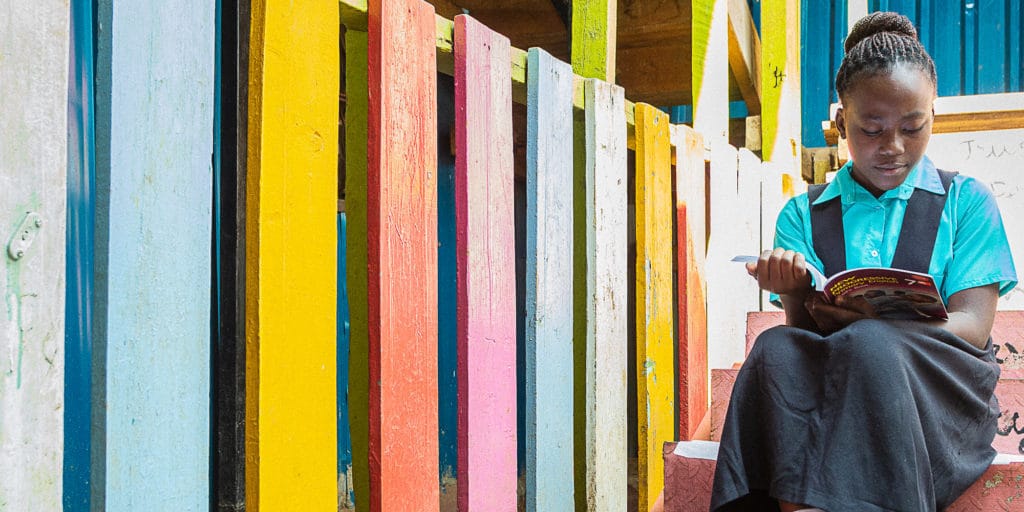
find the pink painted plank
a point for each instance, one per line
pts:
(690, 469)
(402, 256)
(485, 252)
(760, 321)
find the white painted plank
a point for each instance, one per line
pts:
(606, 296)
(549, 246)
(34, 40)
(155, 111)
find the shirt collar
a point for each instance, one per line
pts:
(923, 176)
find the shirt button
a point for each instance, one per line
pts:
(874, 254)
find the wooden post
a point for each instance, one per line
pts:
(593, 38)
(485, 252)
(33, 181)
(356, 105)
(155, 97)
(291, 257)
(711, 69)
(655, 361)
(691, 288)
(604, 288)
(402, 241)
(780, 84)
(549, 246)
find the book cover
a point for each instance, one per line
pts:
(893, 293)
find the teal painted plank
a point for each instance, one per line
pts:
(155, 99)
(78, 310)
(549, 246)
(34, 41)
(447, 353)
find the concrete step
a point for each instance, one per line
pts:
(690, 469)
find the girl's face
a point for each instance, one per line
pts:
(886, 120)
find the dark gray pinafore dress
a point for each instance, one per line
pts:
(882, 415)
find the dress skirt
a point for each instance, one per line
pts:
(879, 416)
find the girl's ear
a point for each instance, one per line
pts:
(841, 122)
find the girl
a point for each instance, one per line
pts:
(842, 411)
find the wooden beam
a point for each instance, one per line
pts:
(745, 54)
(485, 254)
(593, 38)
(291, 237)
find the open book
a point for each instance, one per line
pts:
(892, 292)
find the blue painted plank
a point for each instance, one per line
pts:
(157, 76)
(945, 27)
(1014, 62)
(969, 82)
(447, 296)
(79, 264)
(344, 431)
(549, 247)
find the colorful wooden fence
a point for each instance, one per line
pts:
(419, 230)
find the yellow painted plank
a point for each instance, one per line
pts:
(780, 83)
(654, 290)
(291, 267)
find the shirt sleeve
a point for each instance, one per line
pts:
(981, 251)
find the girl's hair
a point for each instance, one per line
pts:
(876, 44)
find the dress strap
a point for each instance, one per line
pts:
(827, 230)
(920, 227)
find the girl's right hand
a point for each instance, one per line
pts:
(782, 272)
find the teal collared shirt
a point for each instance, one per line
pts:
(971, 248)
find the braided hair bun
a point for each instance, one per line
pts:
(876, 44)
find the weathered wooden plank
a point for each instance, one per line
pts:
(729, 285)
(780, 83)
(654, 289)
(549, 247)
(603, 330)
(593, 38)
(402, 235)
(155, 98)
(691, 289)
(485, 250)
(722, 382)
(356, 110)
(291, 257)
(710, 62)
(33, 202)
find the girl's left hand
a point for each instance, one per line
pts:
(832, 317)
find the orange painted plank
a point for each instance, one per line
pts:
(485, 253)
(690, 285)
(654, 290)
(402, 247)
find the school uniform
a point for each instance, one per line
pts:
(882, 415)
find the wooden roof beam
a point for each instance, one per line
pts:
(745, 54)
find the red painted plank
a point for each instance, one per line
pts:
(485, 253)
(687, 481)
(691, 291)
(402, 247)
(760, 321)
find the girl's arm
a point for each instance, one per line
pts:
(785, 273)
(971, 314)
